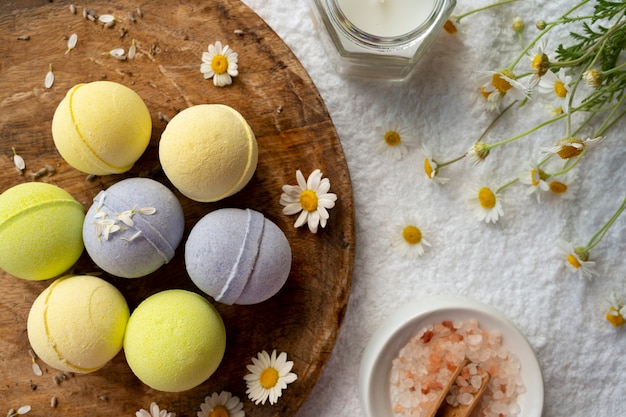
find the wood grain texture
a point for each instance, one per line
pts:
(294, 131)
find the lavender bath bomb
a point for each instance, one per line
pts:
(237, 256)
(133, 227)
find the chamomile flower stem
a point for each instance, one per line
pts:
(595, 239)
(443, 164)
(606, 124)
(568, 123)
(569, 165)
(480, 9)
(508, 184)
(528, 132)
(482, 135)
(614, 69)
(549, 27)
(591, 49)
(493, 122)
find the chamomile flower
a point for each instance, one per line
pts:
(536, 180)
(563, 186)
(485, 203)
(310, 198)
(593, 78)
(577, 259)
(154, 412)
(554, 111)
(450, 27)
(269, 375)
(431, 168)
(408, 237)
(393, 142)
(223, 404)
(497, 84)
(539, 62)
(478, 152)
(617, 310)
(556, 86)
(220, 63)
(572, 147)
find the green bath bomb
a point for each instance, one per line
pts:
(174, 341)
(41, 228)
(77, 324)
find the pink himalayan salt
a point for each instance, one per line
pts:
(427, 361)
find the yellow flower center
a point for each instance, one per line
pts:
(500, 83)
(534, 177)
(412, 235)
(558, 187)
(308, 200)
(486, 198)
(484, 92)
(269, 378)
(219, 411)
(617, 320)
(560, 90)
(392, 138)
(428, 169)
(541, 64)
(219, 64)
(573, 261)
(449, 27)
(567, 149)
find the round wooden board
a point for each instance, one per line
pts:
(294, 131)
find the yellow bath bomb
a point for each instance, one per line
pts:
(174, 341)
(40, 231)
(209, 152)
(101, 127)
(77, 324)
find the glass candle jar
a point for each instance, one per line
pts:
(378, 38)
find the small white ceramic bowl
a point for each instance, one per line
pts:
(400, 326)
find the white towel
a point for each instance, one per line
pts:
(513, 265)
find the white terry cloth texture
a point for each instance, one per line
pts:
(513, 265)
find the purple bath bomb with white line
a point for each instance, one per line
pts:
(237, 256)
(133, 227)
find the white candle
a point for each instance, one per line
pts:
(387, 18)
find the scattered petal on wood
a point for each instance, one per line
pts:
(19, 161)
(72, 9)
(37, 369)
(106, 18)
(117, 53)
(132, 50)
(23, 38)
(49, 78)
(71, 42)
(23, 409)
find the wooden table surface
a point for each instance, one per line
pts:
(294, 131)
